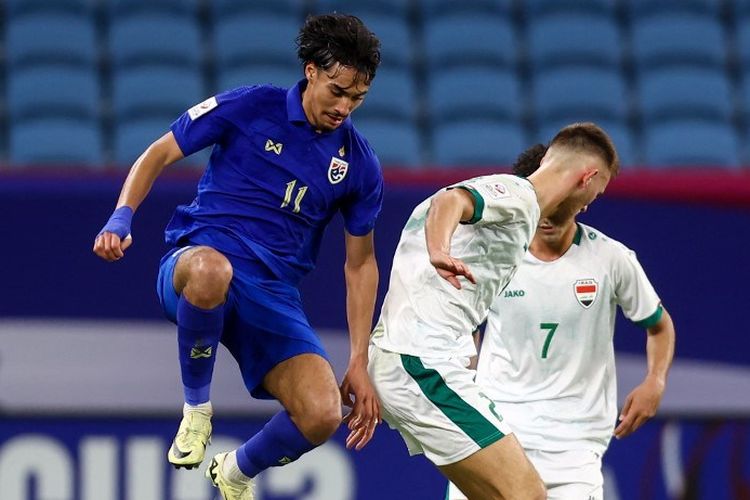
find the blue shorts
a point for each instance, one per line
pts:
(264, 323)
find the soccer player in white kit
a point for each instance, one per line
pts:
(457, 252)
(547, 359)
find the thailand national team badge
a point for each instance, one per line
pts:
(586, 291)
(337, 170)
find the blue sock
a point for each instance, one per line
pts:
(198, 333)
(278, 443)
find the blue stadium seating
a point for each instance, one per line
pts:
(638, 8)
(579, 93)
(51, 38)
(132, 137)
(685, 92)
(361, 8)
(222, 8)
(255, 38)
(396, 45)
(53, 90)
(392, 95)
(543, 7)
(125, 8)
(692, 143)
(678, 38)
(20, 7)
(470, 39)
(253, 74)
(155, 38)
(573, 39)
(155, 91)
(479, 92)
(743, 39)
(477, 143)
(437, 8)
(56, 141)
(396, 143)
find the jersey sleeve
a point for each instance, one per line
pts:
(634, 292)
(364, 204)
(207, 122)
(494, 200)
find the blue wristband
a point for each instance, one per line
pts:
(119, 222)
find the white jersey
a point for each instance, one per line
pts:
(424, 315)
(547, 357)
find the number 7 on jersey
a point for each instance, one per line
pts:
(551, 327)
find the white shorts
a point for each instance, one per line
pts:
(435, 405)
(568, 475)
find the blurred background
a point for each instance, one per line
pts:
(89, 389)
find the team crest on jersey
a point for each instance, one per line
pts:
(337, 170)
(586, 291)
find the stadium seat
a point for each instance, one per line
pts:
(481, 92)
(125, 8)
(51, 38)
(155, 38)
(395, 142)
(148, 91)
(618, 131)
(53, 90)
(361, 8)
(395, 35)
(591, 93)
(573, 38)
(255, 38)
(132, 137)
(56, 141)
(224, 8)
(251, 74)
(544, 7)
(691, 143)
(16, 8)
(469, 39)
(637, 8)
(678, 38)
(392, 94)
(743, 39)
(685, 92)
(477, 143)
(437, 8)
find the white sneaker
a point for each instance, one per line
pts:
(189, 445)
(229, 490)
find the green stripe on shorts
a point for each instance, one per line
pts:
(461, 413)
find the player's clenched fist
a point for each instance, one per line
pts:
(114, 238)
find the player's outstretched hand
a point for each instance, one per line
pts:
(110, 247)
(365, 414)
(450, 268)
(640, 405)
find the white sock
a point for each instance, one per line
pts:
(231, 470)
(205, 408)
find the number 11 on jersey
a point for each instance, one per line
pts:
(551, 327)
(288, 195)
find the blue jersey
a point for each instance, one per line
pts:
(272, 182)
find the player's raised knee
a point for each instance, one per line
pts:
(209, 275)
(321, 420)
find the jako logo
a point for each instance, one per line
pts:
(514, 293)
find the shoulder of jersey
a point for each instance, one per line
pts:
(599, 240)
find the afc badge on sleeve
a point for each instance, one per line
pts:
(337, 170)
(586, 291)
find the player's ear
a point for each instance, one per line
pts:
(588, 176)
(310, 71)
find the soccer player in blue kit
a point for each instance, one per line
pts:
(283, 163)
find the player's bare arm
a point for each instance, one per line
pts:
(113, 240)
(361, 272)
(446, 211)
(643, 401)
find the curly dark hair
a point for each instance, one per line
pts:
(328, 39)
(528, 162)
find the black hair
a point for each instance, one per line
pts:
(328, 39)
(528, 162)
